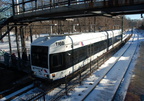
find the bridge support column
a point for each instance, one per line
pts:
(18, 50)
(17, 43)
(31, 34)
(24, 52)
(10, 50)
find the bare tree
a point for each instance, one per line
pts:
(84, 24)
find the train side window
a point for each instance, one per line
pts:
(39, 56)
(56, 60)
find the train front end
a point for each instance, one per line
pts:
(39, 61)
(40, 57)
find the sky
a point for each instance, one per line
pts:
(135, 17)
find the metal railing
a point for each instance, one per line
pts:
(26, 6)
(5, 13)
(37, 5)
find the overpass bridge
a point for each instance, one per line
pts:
(36, 10)
(27, 11)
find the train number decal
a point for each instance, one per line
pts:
(60, 43)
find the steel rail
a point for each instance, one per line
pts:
(113, 99)
(107, 72)
(23, 90)
(52, 87)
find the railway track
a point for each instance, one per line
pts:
(34, 91)
(109, 84)
(106, 81)
(55, 90)
(17, 93)
(123, 87)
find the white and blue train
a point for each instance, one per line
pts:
(55, 57)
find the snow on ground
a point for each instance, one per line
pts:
(79, 92)
(108, 86)
(82, 90)
(95, 78)
(5, 45)
(120, 96)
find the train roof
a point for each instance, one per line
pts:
(69, 38)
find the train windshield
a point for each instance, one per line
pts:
(39, 56)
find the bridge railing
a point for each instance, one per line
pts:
(5, 13)
(36, 5)
(25, 6)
